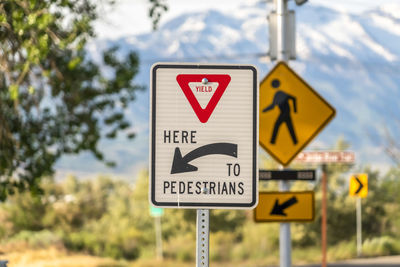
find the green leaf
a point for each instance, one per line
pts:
(13, 90)
(3, 18)
(74, 63)
(43, 42)
(31, 19)
(31, 90)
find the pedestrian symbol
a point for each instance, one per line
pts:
(281, 99)
(291, 113)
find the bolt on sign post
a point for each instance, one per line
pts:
(359, 188)
(203, 139)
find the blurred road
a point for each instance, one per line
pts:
(390, 261)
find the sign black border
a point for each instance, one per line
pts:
(153, 140)
(288, 193)
(318, 130)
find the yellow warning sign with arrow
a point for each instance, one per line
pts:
(291, 113)
(285, 207)
(359, 185)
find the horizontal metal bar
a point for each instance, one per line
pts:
(304, 175)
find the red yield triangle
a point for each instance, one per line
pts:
(222, 80)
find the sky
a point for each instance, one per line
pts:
(130, 17)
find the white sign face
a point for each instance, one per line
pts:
(204, 136)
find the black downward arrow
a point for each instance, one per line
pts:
(278, 209)
(181, 164)
(360, 185)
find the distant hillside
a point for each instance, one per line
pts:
(351, 60)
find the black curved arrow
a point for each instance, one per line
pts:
(360, 185)
(278, 209)
(181, 164)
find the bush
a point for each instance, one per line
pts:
(39, 239)
(262, 236)
(181, 247)
(102, 245)
(221, 246)
(381, 246)
(344, 250)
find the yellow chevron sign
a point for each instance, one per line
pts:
(285, 207)
(359, 185)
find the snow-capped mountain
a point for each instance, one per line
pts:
(352, 60)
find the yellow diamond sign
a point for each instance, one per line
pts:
(291, 113)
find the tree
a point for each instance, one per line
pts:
(158, 7)
(54, 98)
(391, 144)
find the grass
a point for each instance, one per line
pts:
(57, 256)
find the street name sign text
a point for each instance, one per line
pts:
(326, 157)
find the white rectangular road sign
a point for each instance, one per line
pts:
(326, 157)
(204, 136)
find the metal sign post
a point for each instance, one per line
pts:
(202, 237)
(159, 249)
(284, 235)
(324, 215)
(285, 244)
(359, 188)
(359, 228)
(324, 158)
(156, 213)
(283, 83)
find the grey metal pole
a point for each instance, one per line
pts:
(202, 237)
(324, 214)
(285, 245)
(359, 228)
(281, 12)
(158, 238)
(284, 238)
